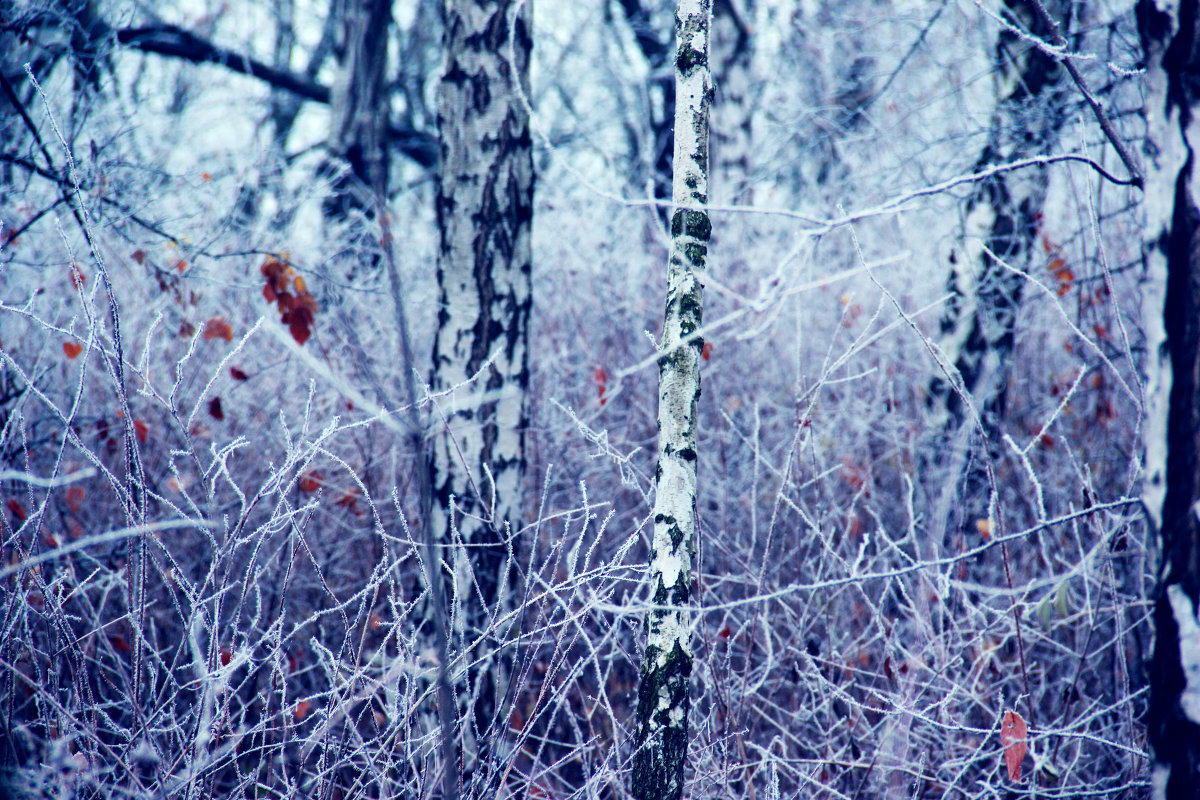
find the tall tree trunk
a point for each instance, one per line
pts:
(359, 108)
(662, 708)
(660, 92)
(1002, 214)
(1171, 38)
(481, 350)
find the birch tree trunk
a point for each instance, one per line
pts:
(661, 735)
(660, 94)
(481, 356)
(1171, 38)
(1001, 217)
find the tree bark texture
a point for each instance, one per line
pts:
(359, 108)
(481, 348)
(1171, 39)
(661, 734)
(1002, 216)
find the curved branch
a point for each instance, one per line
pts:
(175, 42)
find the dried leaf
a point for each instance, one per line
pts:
(141, 429)
(218, 328)
(139, 256)
(215, 410)
(302, 709)
(706, 351)
(75, 496)
(311, 481)
(238, 375)
(72, 349)
(984, 526)
(1013, 738)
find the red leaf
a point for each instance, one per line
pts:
(706, 351)
(310, 482)
(299, 330)
(187, 329)
(17, 509)
(238, 375)
(139, 256)
(75, 498)
(72, 349)
(1013, 738)
(141, 429)
(226, 656)
(600, 376)
(77, 277)
(214, 408)
(119, 643)
(302, 709)
(218, 328)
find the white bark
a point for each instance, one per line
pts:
(484, 209)
(661, 736)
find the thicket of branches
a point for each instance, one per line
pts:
(213, 579)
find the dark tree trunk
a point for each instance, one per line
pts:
(1171, 42)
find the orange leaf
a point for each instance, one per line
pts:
(1013, 738)
(72, 349)
(75, 498)
(141, 429)
(238, 375)
(181, 265)
(214, 408)
(302, 709)
(218, 328)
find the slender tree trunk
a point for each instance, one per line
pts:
(481, 351)
(661, 736)
(1171, 38)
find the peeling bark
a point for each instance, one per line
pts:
(481, 351)
(1171, 38)
(661, 735)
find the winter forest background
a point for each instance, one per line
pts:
(328, 408)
